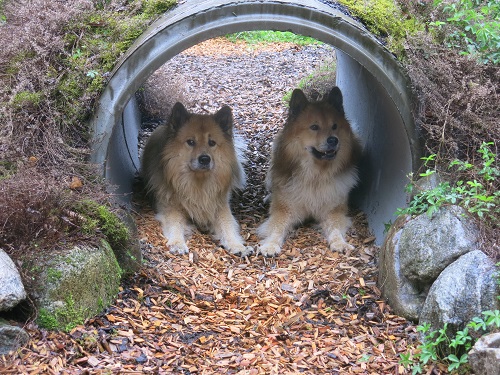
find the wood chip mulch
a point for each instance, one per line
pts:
(309, 310)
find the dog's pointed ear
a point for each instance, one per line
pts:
(336, 100)
(298, 102)
(179, 116)
(224, 117)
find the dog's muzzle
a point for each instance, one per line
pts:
(328, 151)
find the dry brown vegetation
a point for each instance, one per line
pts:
(31, 66)
(41, 147)
(53, 64)
(457, 107)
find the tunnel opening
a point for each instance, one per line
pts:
(377, 97)
(255, 79)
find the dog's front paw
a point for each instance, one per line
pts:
(178, 248)
(241, 250)
(270, 249)
(338, 244)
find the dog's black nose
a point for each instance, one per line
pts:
(332, 141)
(204, 159)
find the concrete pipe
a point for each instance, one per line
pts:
(377, 95)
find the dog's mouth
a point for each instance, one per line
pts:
(196, 167)
(324, 155)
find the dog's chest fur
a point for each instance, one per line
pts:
(315, 192)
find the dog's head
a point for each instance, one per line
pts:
(320, 127)
(201, 138)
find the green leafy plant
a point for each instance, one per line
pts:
(476, 27)
(439, 346)
(477, 197)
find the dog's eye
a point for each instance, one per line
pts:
(211, 143)
(314, 127)
(191, 142)
(334, 126)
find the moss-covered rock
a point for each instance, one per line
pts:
(75, 285)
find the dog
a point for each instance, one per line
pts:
(190, 167)
(313, 169)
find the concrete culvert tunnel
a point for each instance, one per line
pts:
(377, 96)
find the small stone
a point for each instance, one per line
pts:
(484, 357)
(11, 337)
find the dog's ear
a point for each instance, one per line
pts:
(336, 100)
(179, 116)
(224, 117)
(298, 102)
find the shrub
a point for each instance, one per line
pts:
(481, 198)
(474, 27)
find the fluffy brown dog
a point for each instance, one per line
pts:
(313, 169)
(191, 166)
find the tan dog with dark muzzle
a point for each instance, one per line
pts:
(313, 169)
(191, 166)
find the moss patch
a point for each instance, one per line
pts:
(318, 82)
(385, 19)
(27, 98)
(98, 217)
(64, 317)
(153, 8)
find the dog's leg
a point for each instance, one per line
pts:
(173, 224)
(227, 232)
(335, 226)
(274, 230)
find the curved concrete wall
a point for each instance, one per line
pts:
(377, 95)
